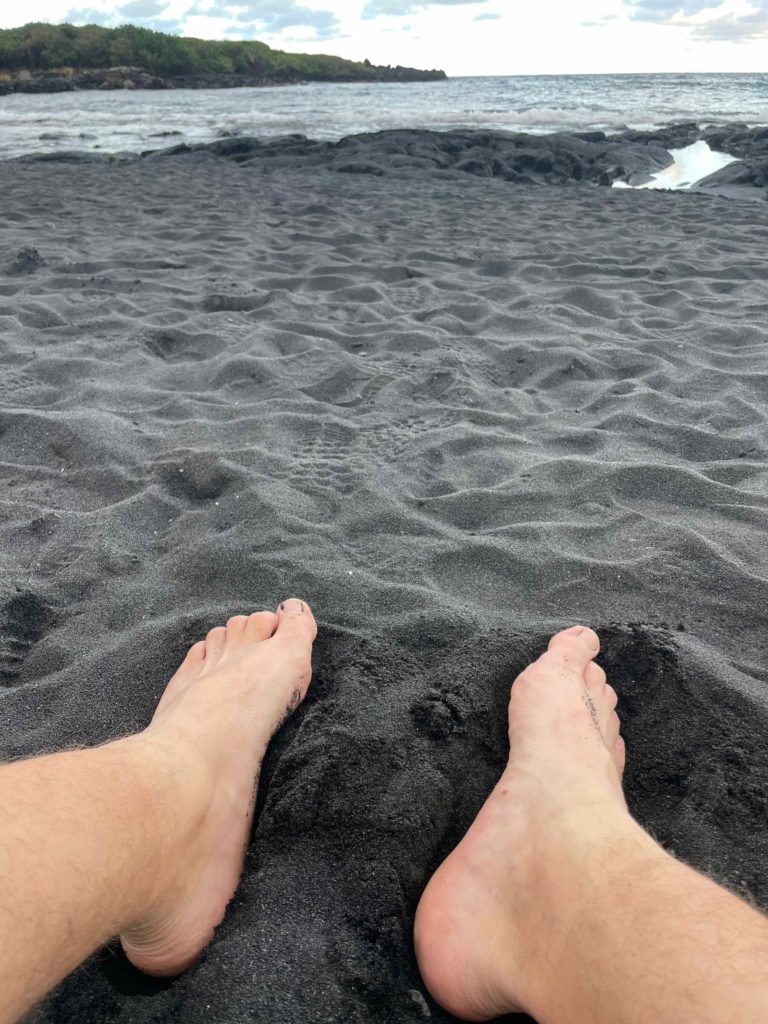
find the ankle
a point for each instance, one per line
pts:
(593, 860)
(173, 787)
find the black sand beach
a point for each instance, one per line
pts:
(455, 413)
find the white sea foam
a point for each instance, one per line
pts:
(690, 166)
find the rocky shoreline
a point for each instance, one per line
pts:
(585, 158)
(140, 78)
(556, 159)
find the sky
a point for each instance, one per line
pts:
(463, 37)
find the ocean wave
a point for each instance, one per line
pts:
(134, 120)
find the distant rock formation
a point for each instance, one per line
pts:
(557, 159)
(584, 158)
(137, 78)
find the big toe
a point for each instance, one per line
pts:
(574, 648)
(295, 622)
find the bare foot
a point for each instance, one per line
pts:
(208, 735)
(491, 915)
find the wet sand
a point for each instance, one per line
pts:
(455, 414)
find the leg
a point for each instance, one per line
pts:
(556, 902)
(145, 837)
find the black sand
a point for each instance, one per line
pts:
(455, 415)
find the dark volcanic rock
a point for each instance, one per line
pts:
(557, 159)
(139, 78)
(77, 156)
(750, 145)
(48, 82)
(26, 261)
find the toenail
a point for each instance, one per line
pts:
(587, 634)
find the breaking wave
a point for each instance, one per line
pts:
(134, 121)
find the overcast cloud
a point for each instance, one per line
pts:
(400, 8)
(737, 28)
(142, 9)
(270, 16)
(86, 16)
(667, 10)
(706, 19)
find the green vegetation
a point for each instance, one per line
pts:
(40, 47)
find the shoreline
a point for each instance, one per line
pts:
(558, 158)
(130, 78)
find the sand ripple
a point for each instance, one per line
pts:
(454, 414)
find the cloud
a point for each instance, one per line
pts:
(599, 22)
(244, 18)
(666, 10)
(171, 26)
(270, 16)
(400, 8)
(142, 9)
(736, 28)
(486, 17)
(118, 17)
(89, 16)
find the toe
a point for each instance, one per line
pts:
(605, 700)
(214, 644)
(612, 729)
(573, 649)
(235, 629)
(261, 626)
(594, 677)
(195, 655)
(295, 622)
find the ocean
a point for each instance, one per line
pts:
(133, 121)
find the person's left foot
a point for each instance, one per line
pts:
(209, 733)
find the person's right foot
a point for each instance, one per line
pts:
(493, 909)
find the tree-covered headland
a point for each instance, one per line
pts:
(39, 50)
